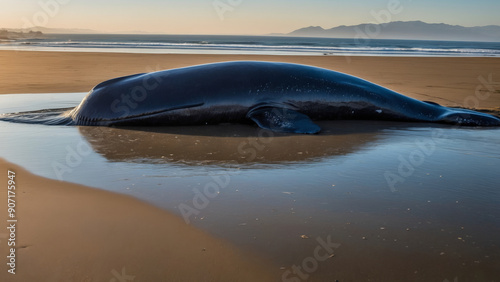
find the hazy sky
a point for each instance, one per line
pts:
(237, 16)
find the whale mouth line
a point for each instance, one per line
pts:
(79, 119)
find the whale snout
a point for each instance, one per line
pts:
(471, 118)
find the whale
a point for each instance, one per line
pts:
(281, 97)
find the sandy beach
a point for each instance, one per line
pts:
(69, 232)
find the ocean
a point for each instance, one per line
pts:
(271, 45)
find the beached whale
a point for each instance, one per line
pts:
(280, 97)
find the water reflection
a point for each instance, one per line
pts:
(229, 144)
(244, 145)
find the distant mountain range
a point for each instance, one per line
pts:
(417, 30)
(404, 30)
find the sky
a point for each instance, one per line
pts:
(237, 16)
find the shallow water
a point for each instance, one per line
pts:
(405, 201)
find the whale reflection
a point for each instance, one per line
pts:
(232, 144)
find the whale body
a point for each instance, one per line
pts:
(281, 97)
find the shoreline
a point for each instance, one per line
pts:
(132, 51)
(449, 81)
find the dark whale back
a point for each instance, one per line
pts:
(238, 85)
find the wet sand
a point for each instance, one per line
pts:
(464, 82)
(68, 232)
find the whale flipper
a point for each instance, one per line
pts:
(283, 120)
